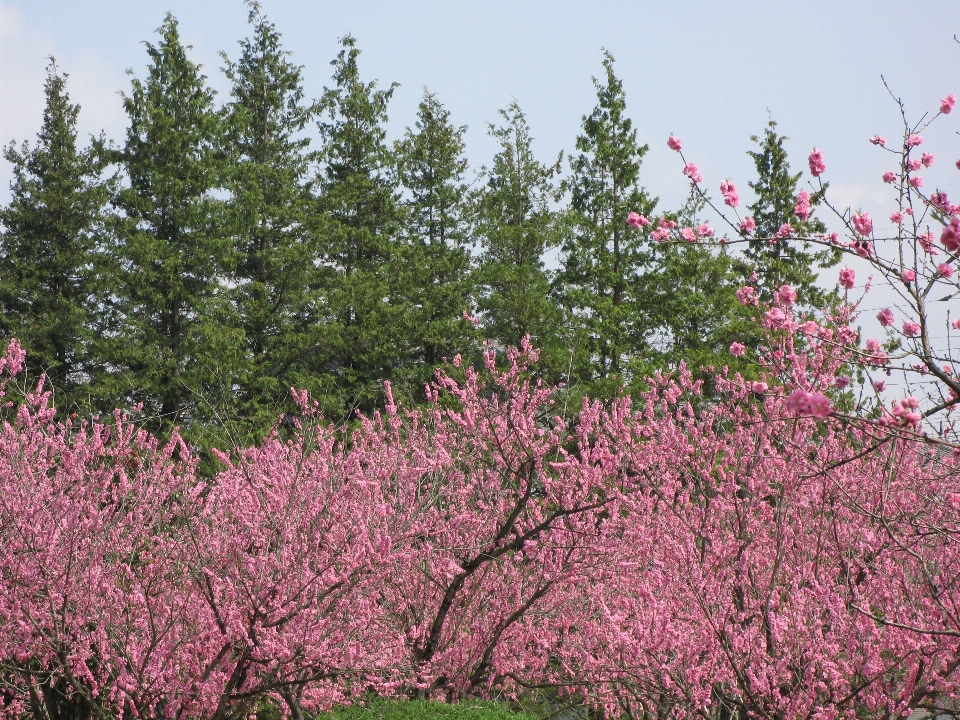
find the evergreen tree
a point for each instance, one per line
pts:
(175, 347)
(433, 271)
(362, 218)
(779, 263)
(270, 215)
(604, 258)
(515, 226)
(52, 229)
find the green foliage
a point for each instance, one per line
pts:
(175, 347)
(603, 258)
(270, 213)
(515, 227)
(433, 261)
(424, 710)
(779, 263)
(362, 217)
(52, 234)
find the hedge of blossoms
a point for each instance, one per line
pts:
(777, 548)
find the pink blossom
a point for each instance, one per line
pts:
(673, 143)
(660, 234)
(665, 224)
(957, 163)
(759, 387)
(896, 217)
(809, 328)
(914, 165)
(785, 230)
(636, 220)
(873, 345)
(911, 329)
(841, 382)
(946, 105)
(847, 278)
(804, 403)
(692, 172)
(729, 192)
(820, 406)
(879, 385)
(705, 231)
(787, 295)
(948, 369)
(736, 349)
(950, 237)
(945, 270)
(885, 317)
(916, 182)
(889, 176)
(802, 208)
(863, 248)
(927, 159)
(955, 324)
(748, 224)
(746, 295)
(908, 276)
(941, 201)
(775, 318)
(815, 160)
(878, 140)
(913, 140)
(863, 223)
(688, 234)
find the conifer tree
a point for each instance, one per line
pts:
(176, 346)
(604, 258)
(515, 226)
(779, 263)
(434, 263)
(52, 231)
(271, 217)
(361, 214)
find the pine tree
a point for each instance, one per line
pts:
(434, 262)
(362, 218)
(515, 226)
(604, 258)
(175, 347)
(779, 263)
(270, 215)
(52, 230)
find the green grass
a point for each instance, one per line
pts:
(424, 710)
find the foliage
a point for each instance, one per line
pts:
(423, 710)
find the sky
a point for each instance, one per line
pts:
(712, 73)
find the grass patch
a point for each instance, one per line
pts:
(383, 709)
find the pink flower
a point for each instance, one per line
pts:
(729, 192)
(736, 349)
(863, 248)
(665, 224)
(908, 276)
(660, 234)
(809, 328)
(820, 406)
(688, 234)
(957, 163)
(802, 208)
(913, 140)
(878, 140)
(804, 403)
(885, 317)
(927, 159)
(946, 105)
(879, 385)
(787, 295)
(889, 177)
(911, 329)
(916, 182)
(692, 172)
(847, 277)
(841, 381)
(955, 324)
(873, 345)
(637, 221)
(746, 295)
(945, 270)
(775, 318)
(785, 231)
(948, 369)
(950, 237)
(748, 224)
(705, 231)
(798, 402)
(940, 201)
(815, 160)
(913, 165)
(673, 143)
(896, 217)
(759, 387)
(863, 223)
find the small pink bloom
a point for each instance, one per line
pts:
(896, 217)
(873, 345)
(809, 328)
(950, 237)
(637, 221)
(946, 105)
(916, 182)
(889, 177)
(955, 324)
(745, 295)
(692, 172)
(863, 223)
(863, 248)
(940, 201)
(787, 295)
(841, 381)
(688, 234)
(673, 143)
(948, 369)
(908, 211)
(945, 270)
(820, 406)
(736, 349)
(660, 234)
(798, 402)
(911, 329)
(908, 276)
(785, 230)
(748, 224)
(885, 317)
(847, 277)
(815, 160)
(914, 165)
(759, 387)
(879, 385)
(802, 208)
(927, 159)
(705, 231)
(775, 318)
(729, 192)
(913, 140)
(878, 140)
